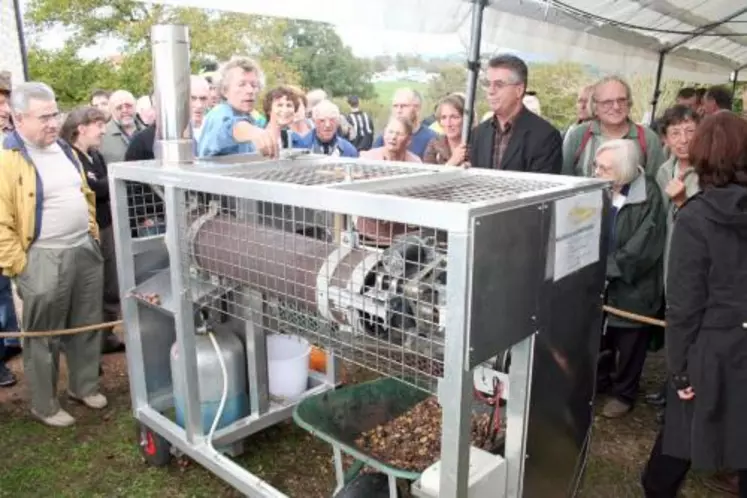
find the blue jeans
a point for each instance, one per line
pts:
(8, 318)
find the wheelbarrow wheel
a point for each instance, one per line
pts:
(374, 485)
(156, 450)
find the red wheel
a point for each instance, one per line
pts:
(156, 450)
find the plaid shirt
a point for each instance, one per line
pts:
(500, 141)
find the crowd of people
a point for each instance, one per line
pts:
(678, 221)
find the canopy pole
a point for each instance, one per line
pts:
(473, 65)
(21, 39)
(734, 81)
(657, 85)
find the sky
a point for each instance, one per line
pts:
(364, 42)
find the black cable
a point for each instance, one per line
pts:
(701, 31)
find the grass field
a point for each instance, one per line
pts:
(99, 457)
(385, 89)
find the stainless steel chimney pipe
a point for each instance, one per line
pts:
(171, 81)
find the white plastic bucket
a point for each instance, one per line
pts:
(287, 365)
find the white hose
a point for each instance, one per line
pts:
(224, 394)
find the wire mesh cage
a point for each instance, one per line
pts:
(376, 303)
(146, 209)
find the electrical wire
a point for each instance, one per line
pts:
(701, 31)
(224, 393)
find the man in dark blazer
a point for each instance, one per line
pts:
(515, 138)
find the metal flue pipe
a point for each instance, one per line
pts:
(171, 82)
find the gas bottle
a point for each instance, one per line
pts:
(211, 378)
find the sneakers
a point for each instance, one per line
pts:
(95, 401)
(615, 408)
(7, 378)
(59, 419)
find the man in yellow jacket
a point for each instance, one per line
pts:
(49, 246)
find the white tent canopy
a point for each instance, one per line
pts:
(705, 39)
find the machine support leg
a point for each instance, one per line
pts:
(256, 355)
(455, 391)
(473, 64)
(734, 81)
(657, 85)
(517, 415)
(184, 320)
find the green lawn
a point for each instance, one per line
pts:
(385, 89)
(99, 457)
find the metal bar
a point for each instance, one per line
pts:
(225, 468)
(517, 415)
(21, 39)
(455, 389)
(183, 320)
(735, 75)
(473, 64)
(705, 29)
(123, 250)
(657, 85)
(256, 355)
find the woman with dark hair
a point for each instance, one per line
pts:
(449, 148)
(706, 335)
(280, 106)
(83, 129)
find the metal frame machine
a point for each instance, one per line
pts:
(423, 274)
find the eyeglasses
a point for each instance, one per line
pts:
(497, 84)
(46, 118)
(609, 104)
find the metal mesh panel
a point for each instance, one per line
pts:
(378, 304)
(325, 174)
(11, 59)
(145, 209)
(475, 188)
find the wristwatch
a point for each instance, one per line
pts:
(681, 381)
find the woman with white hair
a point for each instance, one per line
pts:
(637, 234)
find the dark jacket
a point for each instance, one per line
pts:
(635, 258)
(141, 146)
(97, 175)
(706, 335)
(535, 145)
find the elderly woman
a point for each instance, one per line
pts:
(634, 270)
(706, 332)
(678, 182)
(448, 149)
(397, 136)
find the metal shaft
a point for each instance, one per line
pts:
(478, 7)
(171, 82)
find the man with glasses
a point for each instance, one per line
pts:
(515, 138)
(407, 104)
(49, 246)
(120, 129)
(611, 102)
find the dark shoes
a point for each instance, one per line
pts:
(111, 344)
(7, 378)
(656, 399)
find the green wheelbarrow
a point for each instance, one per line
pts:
(340, 417)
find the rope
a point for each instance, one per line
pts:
(635, 317)
(53, 333)
(110, 325)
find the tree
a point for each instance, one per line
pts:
(642, 88)
(557, 87)
(71, 78)
(317, 54)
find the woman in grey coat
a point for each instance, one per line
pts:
(706, 337)
(634, 271)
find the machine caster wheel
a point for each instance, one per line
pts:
(156, 450)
